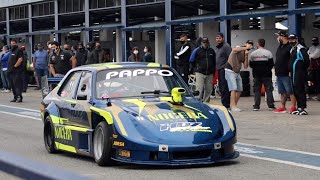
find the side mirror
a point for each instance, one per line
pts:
(196, 93)
(82, 97)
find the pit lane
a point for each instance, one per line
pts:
(271, 145)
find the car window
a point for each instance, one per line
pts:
(68, 88)
(84, 88)
(123, 83)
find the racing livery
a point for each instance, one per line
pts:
(140, 113)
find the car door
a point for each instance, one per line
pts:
(67, 99)
(81, 114)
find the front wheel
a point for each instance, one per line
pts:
(102, 144)
(48, 135)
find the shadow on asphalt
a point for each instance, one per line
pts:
(157, 167)
(128, 166)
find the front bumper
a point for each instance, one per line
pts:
(176, 157)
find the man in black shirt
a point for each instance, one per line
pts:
(61, 61)
(282, 72)
(182, 58)
(15, 69)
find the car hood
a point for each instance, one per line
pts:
(159, 121)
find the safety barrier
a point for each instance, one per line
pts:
(29, 169)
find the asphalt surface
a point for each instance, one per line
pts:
(23, 137)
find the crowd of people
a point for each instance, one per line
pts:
(53, 61)
(296, 67)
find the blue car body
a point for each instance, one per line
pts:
(145, 129)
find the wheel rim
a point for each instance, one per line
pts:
(98, 143)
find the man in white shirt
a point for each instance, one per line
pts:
(314, 68)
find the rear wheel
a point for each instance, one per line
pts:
(48, 134)
(102, 144)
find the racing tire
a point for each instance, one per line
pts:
(102, 144)
(48, 136)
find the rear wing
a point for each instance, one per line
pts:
(48, 84)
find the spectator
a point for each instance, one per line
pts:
(25, 64)
(41, 63)
(223, 51)
(298, 65)
(61, 61)
(81, 55)
(238, 56)
(35, 48)
(66, 47)
(99, 53)
(4, 73)
(282, 72)
(205, 67)
(74, 49)
(91, 53)
(107, 56)
(147, 54)
(135, 55)
(193, 55)
(314, 68)
(15, 71)
(182, 58)
(261, 62)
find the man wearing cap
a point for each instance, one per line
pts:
(261, 62)
(314, 68)
(238, 56)
(223, 51)
(40, 62)
(182, 58)
(282, 73)
(298, 65)
(205, 67)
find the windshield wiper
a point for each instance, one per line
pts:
(155, 92)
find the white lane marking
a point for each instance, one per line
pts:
(247, 150)
(280, 149)
(282, 162)
(24, 116)
(28, 113)
(19, 108)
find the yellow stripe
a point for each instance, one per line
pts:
(153, 65)
(55, 119)
(71, 101)
(116, 110)
(112, 66)
(137, 102)
(191, 107)
(106, 115)
(226, 113)
(65, 147)
(74, 128)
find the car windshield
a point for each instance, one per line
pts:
(124, 83)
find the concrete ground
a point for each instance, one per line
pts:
(23, 136)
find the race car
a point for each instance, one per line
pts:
(141, 113)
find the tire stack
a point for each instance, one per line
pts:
(245, 75)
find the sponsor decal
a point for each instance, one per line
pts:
(115, 136)
(176, 116)
(118, 143)
(184, 127)
(138, 72)
(62, 133)
(124, 153)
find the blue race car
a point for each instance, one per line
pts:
(140, 113)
